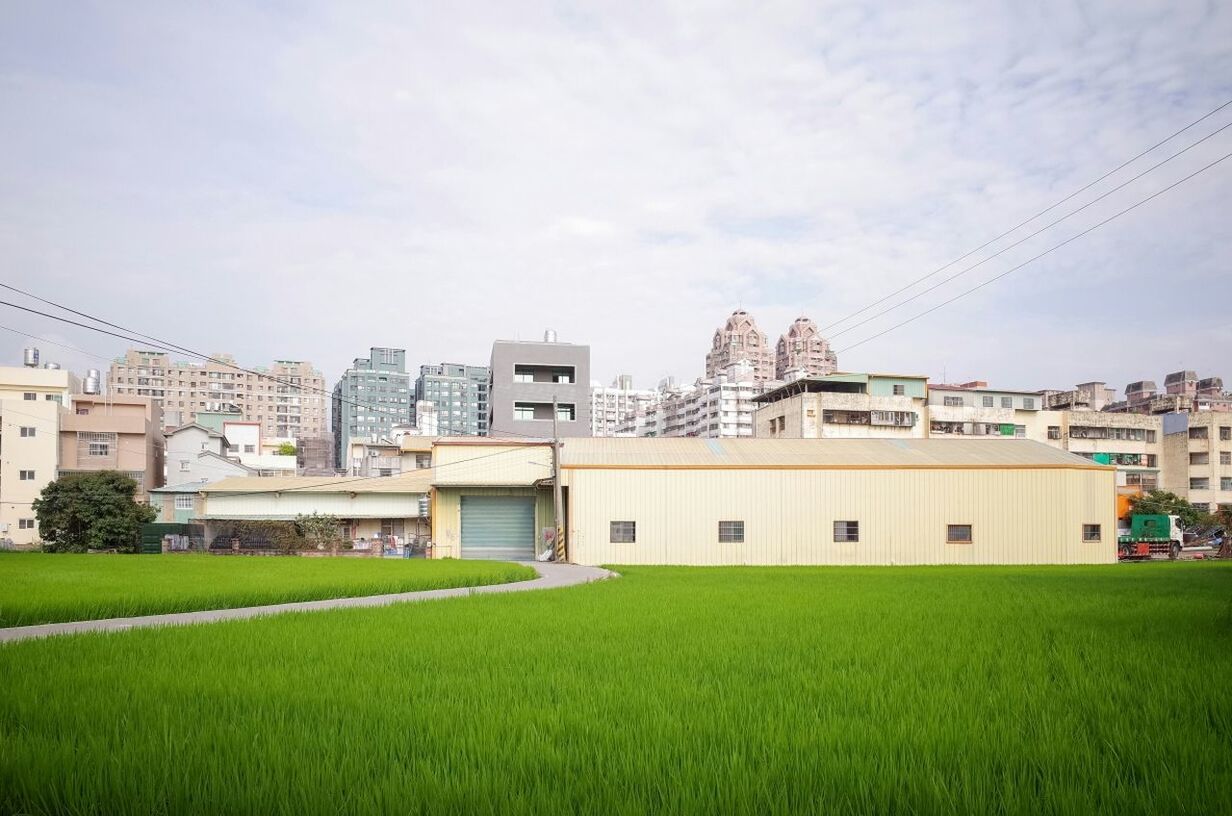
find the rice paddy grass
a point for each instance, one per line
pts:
(669, 690)
(47, 588)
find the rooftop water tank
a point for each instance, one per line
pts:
(30, 358)
(549, 336)
(51, 366)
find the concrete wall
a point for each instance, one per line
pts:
(1019, 516)
(504, 392)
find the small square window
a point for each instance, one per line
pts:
(185, 466)
(27, 430)
(29, 396)
(184, 502)
(1007, 402)
(958, 533)
(846, 531)
(731, 532)
(1091, 532)
(624, 532)
(26, 475)
(987, 402)
(25, 524)
(900, 390)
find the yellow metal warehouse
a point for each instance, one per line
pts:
(779, 501)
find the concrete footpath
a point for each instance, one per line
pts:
(551, 576)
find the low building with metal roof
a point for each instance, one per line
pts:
(776, 501)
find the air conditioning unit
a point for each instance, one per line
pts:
(4, 528)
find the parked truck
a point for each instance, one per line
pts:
(1149, 535)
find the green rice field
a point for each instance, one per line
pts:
(45, 588)
(988, 690)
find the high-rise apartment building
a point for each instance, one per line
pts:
(460, 396)
(739, 340)
(614, 406)
(372, 397)
(526, 376)
(1197, 452)
(716, 407)
(803, 352)
(287, 398)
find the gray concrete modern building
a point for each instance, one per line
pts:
(527, 375)
(372, 396)
(460, 394)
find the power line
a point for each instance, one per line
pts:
(1044, 211)
(1048, 251)
(1028, 237)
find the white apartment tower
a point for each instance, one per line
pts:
(613, 406)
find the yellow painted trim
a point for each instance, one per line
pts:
(1109, 468)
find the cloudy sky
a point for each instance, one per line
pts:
(293, 180)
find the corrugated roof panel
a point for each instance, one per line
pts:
(694, 452)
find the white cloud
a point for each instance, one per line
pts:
(438, 177)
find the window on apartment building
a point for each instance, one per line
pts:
(1225, 457)
(1146, 481)
(250, 448)
(184, 502)
(731, 532)
(566, 412)
(1199, 459)
(958, 533)
(900, 390)
(846, 531)
(1028, 403)
(26, 475)
(623, 532)
(26, 430)
(1150, 436)
(1225, 433)
(1197, 433)
(1007, 402)
(25, 524)
(986, 402)
(1091, 533)
(1054, 431)
(423, 460)
(52, 398)
(1225, 482)
(233, 448)
(98, 449)
(185, 466)
(29, 396)
(1200, 484)
(523, 410)
(953, 402)
(897, 419)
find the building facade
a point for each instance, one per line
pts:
(526, 376)
(1197, 452)
(372, 397)
(715, 407)
(847, 406)
(803, 352)
(286, 398)
(777, 502)
(114, 433)
(739, 340)
(31, 407)
(1184, 391)
(614, 406)
(314, 455)
(459, 396)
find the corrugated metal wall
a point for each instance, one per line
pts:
(292, 503)
(1018, 516)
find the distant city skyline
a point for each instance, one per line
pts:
(627, 177)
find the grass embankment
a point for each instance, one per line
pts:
(43, 588)
(925, 690)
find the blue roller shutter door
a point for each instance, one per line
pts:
(498, 527)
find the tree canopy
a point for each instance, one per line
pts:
(91, 511)
(1165, 503)
(286, 449)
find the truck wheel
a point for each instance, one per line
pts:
(1175, 551)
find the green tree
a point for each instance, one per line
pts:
(1169, 504)
(320, 530)
(286, 449)
(91, 511)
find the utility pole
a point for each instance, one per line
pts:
(558, 540)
